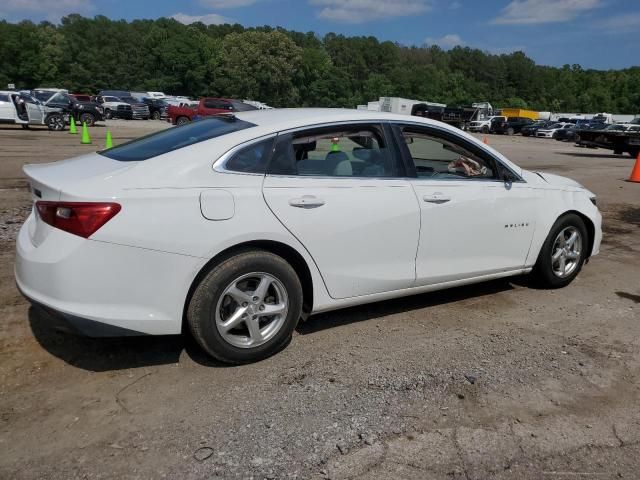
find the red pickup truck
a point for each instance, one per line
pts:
(206, 107)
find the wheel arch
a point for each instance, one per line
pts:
(288, 253)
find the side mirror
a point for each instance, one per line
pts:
(508, 178)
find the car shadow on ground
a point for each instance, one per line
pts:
(405, 304)
(108, 354)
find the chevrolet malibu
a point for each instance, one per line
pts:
(237, 227)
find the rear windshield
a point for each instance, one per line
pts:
(174, 138)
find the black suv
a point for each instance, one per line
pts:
(157, 108)
(512, 126)
(82, 112)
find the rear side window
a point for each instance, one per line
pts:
(175, 138)
(4, 98)
(251, 159)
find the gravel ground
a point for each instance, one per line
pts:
(497, 380)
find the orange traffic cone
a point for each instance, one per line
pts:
(635, 173)
(485, 141)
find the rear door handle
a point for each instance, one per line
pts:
(436, 198)
(306, 201)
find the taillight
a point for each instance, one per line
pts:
(79, 218)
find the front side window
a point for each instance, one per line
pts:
(175, 138)
(442, 159)
(342, 151)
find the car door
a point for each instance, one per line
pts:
(473, 223)
(35, 111)
(216, 106)
(340, 190)
(7, 110)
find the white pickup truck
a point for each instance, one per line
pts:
(20, 108)
(484, 126)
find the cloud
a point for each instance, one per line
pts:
(529, 12)
(620, 23)
(447, 41)
(50, 9)
(360, 11)
(208, 19)
(227, 3)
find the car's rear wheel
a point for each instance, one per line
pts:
(182, 120)
(156, 115)
(563, 253)
(485, 129)
(88, 118)
(108, 115)
(510, 131)
(246, 308)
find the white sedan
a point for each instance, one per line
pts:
(237, 227)
(551, 130)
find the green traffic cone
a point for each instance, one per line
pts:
(108, 141)
(86, 140)
(72, 127)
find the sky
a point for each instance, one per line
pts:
(601, 34)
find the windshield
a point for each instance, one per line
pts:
(174, 138)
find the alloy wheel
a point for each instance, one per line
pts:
(251, 310)
(566, 252)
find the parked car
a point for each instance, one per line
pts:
(530, 130)
(157, 108)
(241, 225)
(572, 134)
(126, 108)
(205, 108)
(82, 112)
(139, 110)
(484, 126)
(20, 108)
(512, 126)
(552, 130)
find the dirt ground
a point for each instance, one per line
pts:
(497, 380)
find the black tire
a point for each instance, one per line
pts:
(201, 313)
(510, 131)
(55, 122)
(25, 126)
(107, 114)
(182, 120)
(87, 118)
(543, 272)
(156, 115)
(634, 153)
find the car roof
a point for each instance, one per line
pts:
(287, 118)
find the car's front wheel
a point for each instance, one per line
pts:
(246, 308)
(156, 115)
(55, 122)
(563, 253)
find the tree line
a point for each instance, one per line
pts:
(288, 68)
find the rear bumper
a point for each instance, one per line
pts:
(104, 289)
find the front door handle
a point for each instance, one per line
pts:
(306, 201)
(436, 198)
